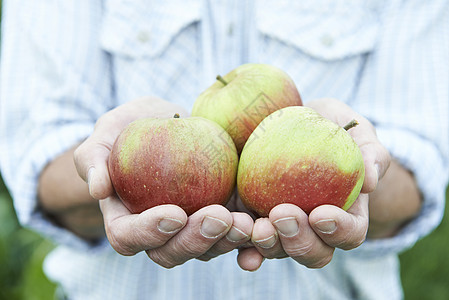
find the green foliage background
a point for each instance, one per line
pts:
(424, 268)
(21, 254)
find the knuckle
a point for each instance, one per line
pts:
(221, 247)
(348, 245)
(320, 262)
(191, 247)
(111, 118)
(161, 259)
(353, 238)
(206, 256)
(213, 252)
(144, 234)
(301, 252)
(105, 118)
(273, 253)
(359, 242)
(116, 242)
(178, 253)
(270, 255)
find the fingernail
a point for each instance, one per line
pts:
(90, 175)
(326, 226)
(287, 226)
(266, 243)
(169, 225)
(212, 227)
(236, 235)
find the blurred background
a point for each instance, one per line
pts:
(424, 268)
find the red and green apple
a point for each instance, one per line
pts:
(297, 156)
(190, 162)
(241, 99)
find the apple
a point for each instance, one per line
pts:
(241, 99)
(190, 162)
(297, 156)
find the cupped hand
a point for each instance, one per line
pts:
(311, 239)
(165, 232)
(169, 237)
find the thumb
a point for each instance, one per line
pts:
(91, 161)
(375, 156)
(377, 160)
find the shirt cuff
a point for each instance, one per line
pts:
(430, 170)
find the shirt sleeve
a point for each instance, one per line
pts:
(404, 91)
(55, 83)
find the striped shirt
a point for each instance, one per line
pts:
(65, 63)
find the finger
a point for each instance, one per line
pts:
(91, 157)
(238, 235)
(265, 239)
(376, 158)
(341, 229)
(203, 229)
(299, 241)
(130, 233)
(249, 259)
(91, 161)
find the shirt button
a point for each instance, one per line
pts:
(327, 40)
(143, 36)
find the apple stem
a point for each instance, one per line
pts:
(176, 116)
(351, 124)
(219, 78)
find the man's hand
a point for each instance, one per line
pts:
(91, 157)
(169, 237)
(311, 240)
